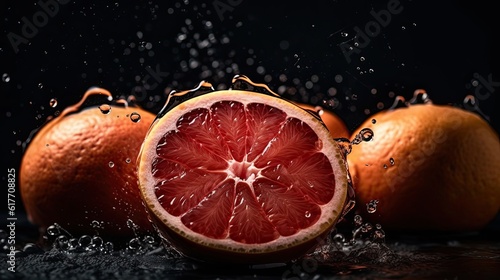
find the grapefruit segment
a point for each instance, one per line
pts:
(293, 139)
(263, 121)
(249, 223)
(242, 177)
(285, 206)
(211, 216)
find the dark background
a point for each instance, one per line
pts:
(444, 47)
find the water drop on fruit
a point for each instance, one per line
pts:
(135, 117)
(385, 166)
(128, 160)
(40, 85)
(364, 134)
(105, 108)
(391, 160)
(371, 207)
(374, 121)
(111, 164)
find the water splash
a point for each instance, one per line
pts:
(63, 241)
(371, 206)
(364, 135)
(420, 96)
(399, 102)
(470, 103)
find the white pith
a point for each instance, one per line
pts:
(330, 212)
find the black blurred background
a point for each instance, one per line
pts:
(148, 48)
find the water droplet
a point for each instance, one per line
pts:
(399, 102)
(53, 230)
(385, 166)
(5, 78)
(362, 58)
(97, 241)
(40, 85)
(105, 108)
(61, 242)
(371, 207)
(84, 241)
(95, 224)
(366, 227)
(134, 244)
(420, 96)
(339, 240)
(111, 164)
(344, 34)
(358, 220)
(108, 247)
(73, 243)
(149, 239)
(364, 134)
(308, 214)
(32, 248)
(378, 235)
(53, 102)
(128, 160)
(135, 117)
(371, 70)
(374, 121)
(391, 160)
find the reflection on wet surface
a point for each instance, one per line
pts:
(400, 256)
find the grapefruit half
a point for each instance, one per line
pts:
(242, 177)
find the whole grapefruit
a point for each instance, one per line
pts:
(430, 167)
(80, 168)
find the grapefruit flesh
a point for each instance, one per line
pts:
(242, 177)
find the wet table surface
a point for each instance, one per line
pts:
(401, 256)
